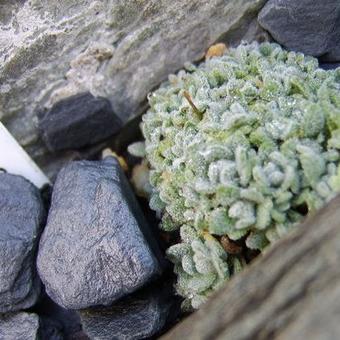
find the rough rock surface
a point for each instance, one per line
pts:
(78, 121)
(21, 217)
(137, 316)
(95, 247)
(19, 326)
(118, 49)
(308, 26)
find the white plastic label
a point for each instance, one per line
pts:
(15, 160)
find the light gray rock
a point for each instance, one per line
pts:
(117, 49)
(308, 26)
(138, 316)
(96, 246)
(21, 217)
(29, 326)
(19, 326)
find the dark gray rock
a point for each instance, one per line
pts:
(329, 66)
(19, 326)
(21, 217)
(96, 246)
(57, 321)
(50, 329)
(78, 121)
(308, 26)
(137, 316)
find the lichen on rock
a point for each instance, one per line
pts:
(261, 155)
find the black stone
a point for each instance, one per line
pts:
(57, 320)
(308, 26)
(138, 316)
(50, 329)
(21, 217)
(96, 247)
(19, 326)
(329, 66)
(78, 121)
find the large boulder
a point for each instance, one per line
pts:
(19, 326)
(308, 26)
(117, 49)
(21, 217)
(96, 246)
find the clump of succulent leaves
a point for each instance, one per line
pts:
(242, 146)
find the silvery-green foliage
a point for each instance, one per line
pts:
(259, 150)
(201, 264)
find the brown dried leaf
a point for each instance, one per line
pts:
(230, 246)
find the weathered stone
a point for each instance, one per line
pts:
(137, 316)
(78, 121)
(118, 49)
(96, 246)
(21, 217)
(19, 326)
(308, 26)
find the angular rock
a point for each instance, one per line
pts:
(19, 326)
(138, 316)
(78, 121)
(117, 49)
(21, 217)
(96, 246)
(308, 26)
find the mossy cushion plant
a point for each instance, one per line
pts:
(242, 146)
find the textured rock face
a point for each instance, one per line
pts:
(113, 48)
(136, 317)
(78, 121)
(94, 248)
(21, 216)
(19, 326)
(308, 26)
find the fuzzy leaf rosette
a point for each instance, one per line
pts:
(242, 146)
